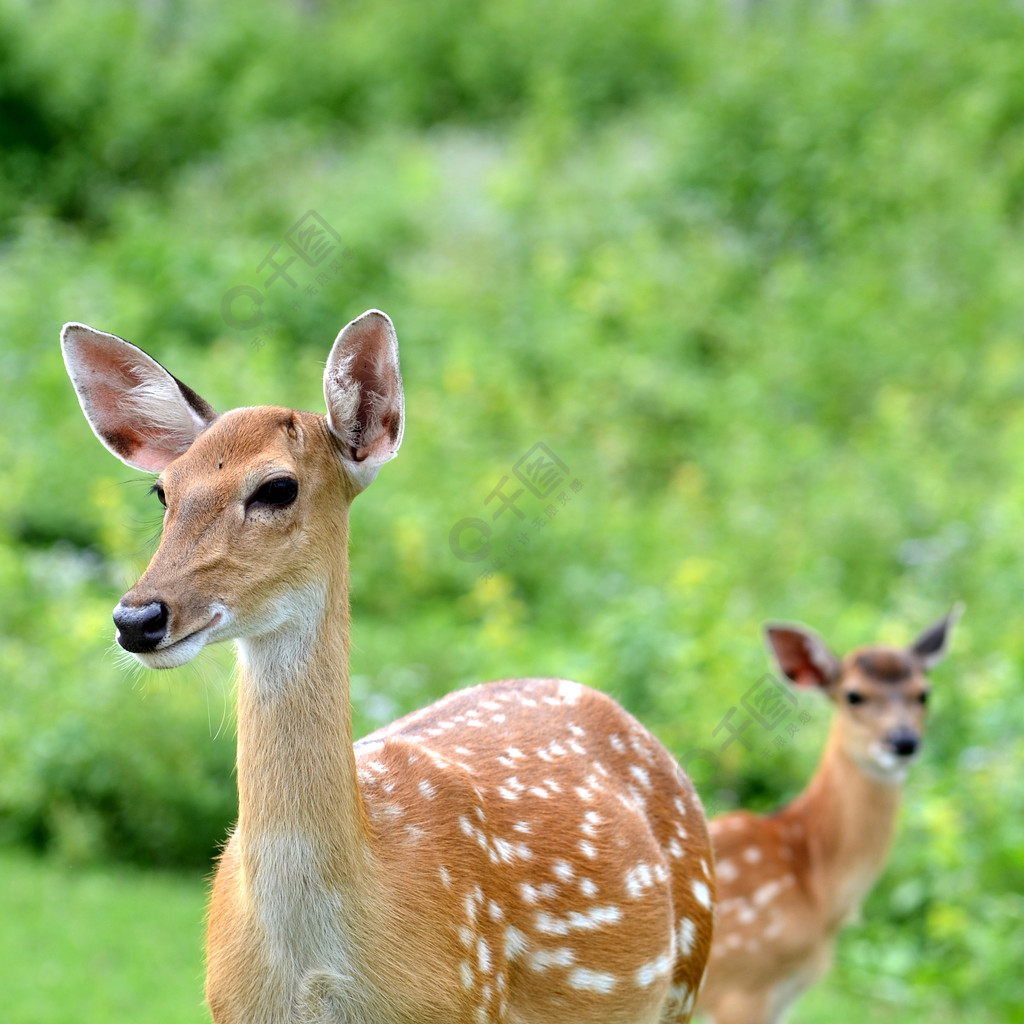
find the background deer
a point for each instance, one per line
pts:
(520, 852)
(787, 883)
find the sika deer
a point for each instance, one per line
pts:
(520, 852)
(787, 883)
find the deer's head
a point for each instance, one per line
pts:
(256, 499)
(880, 693)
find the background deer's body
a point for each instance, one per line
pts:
(520, 852)
(789, 882)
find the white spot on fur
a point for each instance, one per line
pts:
(563, 870)
(638, 880)
(648, 974)
(727, 871)
(544, 959)
(515, 943)
(686, 935)
(585, 980)
(766, 893)
(702, 893)
(569, 692)
(588, 920)
(533, 894)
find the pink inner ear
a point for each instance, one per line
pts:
(135, 406)
(111, 373)
(807, 675)
(363, 389)
(794, 657)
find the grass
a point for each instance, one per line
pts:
(95, 945)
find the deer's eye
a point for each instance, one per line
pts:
(159, 492)
(854, 698)
(278, 493)
(923, 697)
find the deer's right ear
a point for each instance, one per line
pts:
(140, 412)
(363, 391)
(803, 656)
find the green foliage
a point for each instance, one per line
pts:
(88, 946)
(757, 280)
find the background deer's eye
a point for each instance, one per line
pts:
(279, 492)
(923, 697)
(159, 492)
(853, 698)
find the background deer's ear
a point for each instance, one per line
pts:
(933, 644)
(363, 391)
(803, 656)
(140, 412)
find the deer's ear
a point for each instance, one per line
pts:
(933, 644)
(363, 391)
(140, 412)
(803, 656)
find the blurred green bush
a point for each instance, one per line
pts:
(758, 280)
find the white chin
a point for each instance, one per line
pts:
(886, 766)
(184, 650)
(178, 654)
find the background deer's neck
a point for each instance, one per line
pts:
(848, 818)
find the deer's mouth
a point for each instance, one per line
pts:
(888, 766)
(184, 649)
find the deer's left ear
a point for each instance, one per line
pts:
(363, 391)
(933, 644)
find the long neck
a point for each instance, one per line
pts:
(297, 779)
(848, 818)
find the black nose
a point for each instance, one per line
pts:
(904, 742)
(141, 629)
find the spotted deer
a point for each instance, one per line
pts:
(518, 853)
(788, 882)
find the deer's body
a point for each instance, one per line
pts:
(492, 901)
(519, 853)
(788, 882)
